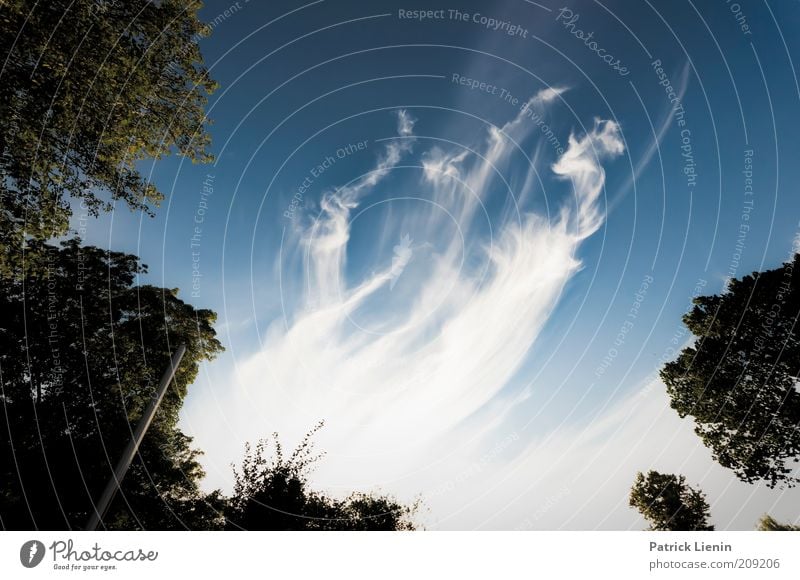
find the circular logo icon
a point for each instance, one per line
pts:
(31, 553)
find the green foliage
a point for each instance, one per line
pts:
(668, 503)
(82, 349)
(739, 380)
(88, 89)
(768, 524)
(273, 494)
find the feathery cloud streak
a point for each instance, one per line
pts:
(391, 389)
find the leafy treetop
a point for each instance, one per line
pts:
(89, 88)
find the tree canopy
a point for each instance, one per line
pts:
(89, 88)
(768, 524)
(739, 379)
(668, 503)
(82, 348)
(273, 493)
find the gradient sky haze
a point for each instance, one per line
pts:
(467, 244)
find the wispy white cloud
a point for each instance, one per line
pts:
(579, 163)
(405, 123)
(326, 241)
(476, 306)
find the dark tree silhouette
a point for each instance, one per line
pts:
(768, 524)
(88, 88)
(273, 494)
(82, 349)
(739, 380)
(668, 503)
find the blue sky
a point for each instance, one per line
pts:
(466, 242)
